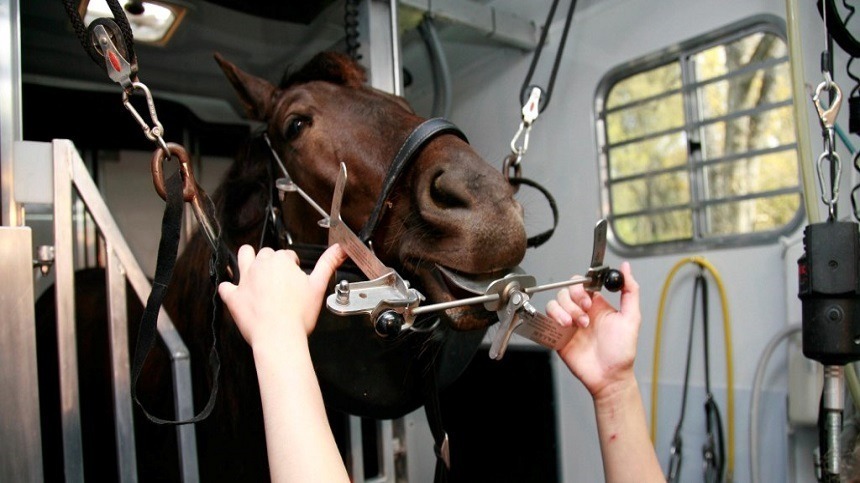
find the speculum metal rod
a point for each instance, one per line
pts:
(494, 297)
(550, 286)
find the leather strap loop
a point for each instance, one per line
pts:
(416, 140)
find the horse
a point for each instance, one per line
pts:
(448, 212)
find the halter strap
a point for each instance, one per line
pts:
(416, 140)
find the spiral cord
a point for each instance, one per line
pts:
(350, 25)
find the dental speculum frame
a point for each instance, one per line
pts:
(393, 306)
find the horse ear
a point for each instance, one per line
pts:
(254, 92)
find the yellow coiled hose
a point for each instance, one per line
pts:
(727, 335)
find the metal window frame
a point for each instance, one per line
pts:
(692, 128)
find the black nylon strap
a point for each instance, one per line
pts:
(167, 249)
(700, 280)
(546, 94)
(715, 467)
(540, 238)
(416, 140)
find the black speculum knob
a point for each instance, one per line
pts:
(388, 324)
(614, 280)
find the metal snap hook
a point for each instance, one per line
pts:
(828, 116)
(155, 132)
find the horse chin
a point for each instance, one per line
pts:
(443, 284)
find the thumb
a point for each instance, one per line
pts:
(226, 291)
(326, 266)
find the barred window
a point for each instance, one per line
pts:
(697, 144)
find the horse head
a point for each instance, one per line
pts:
(450, 208)
(449, 216)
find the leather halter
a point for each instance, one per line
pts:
(413, 144)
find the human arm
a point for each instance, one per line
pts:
(275, 307)
(601, 355)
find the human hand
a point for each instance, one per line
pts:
(602, 350)
(275, 300)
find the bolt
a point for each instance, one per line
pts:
(342, 293)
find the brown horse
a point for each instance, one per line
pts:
(449, 208)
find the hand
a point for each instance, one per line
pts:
(602, 350)
(275, 300)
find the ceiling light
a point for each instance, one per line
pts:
(154, 25)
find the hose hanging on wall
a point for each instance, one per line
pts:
(707, 266)
(439, 66)
(756, 396)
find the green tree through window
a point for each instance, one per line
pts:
(697, 145)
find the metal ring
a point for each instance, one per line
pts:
(512, 163)
(189, 187)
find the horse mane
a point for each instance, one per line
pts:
(244, 192)
(331, 67)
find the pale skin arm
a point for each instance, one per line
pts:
(275, 307)
(601, 355)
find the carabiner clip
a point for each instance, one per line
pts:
(155, 132)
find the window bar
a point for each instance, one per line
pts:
(695, 136)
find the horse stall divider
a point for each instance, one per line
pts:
(69, 170)
(20, 434)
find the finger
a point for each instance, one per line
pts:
(265, 252)
(245, 257)
(568, 304)
(326, 265)
(293, 256)
(226, 291)
(580, 296)
(555, 312)
(629, 293)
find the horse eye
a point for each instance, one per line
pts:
(295, 127)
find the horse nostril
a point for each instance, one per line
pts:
(445, 194)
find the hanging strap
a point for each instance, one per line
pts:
(167, 249)
(676, 449)
(527, 86)
(713, 451)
